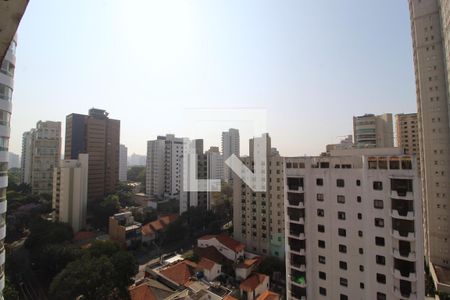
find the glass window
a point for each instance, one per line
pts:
(378, 204)
(343, 265)
(341, 199)
(5, 118)
(319, 181)
(379, 222)
(340, 183)
(5, 92)
(379, 241)
(378, 185)
(4, 143)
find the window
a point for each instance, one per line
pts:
(342, 232)
(361, 268)
(323, 275)
(381, 296)
(360, 233)
(320, 212)
(321, 244)
(379, 222)
(358, 182)
(340, 182)
(361, 251)
(341, 199)
(379, 241)
(319, 197)
(341, 215)
(380, 260)
(358, 199)
(378, 185)
(343, 297)
(361, 285)
(359, 216)
(322, 260)
(378, 204)
(342, 248)
(322, 291)
(319, 181)
(381, 278)
(321, 228)
(342, 265)
(343, 281)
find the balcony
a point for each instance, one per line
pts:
(398, 294)
(402, 195)
(409, 236)
(297, 231)
(295, 184)
(404, 270)
(411, 256)
(301, 268)
(297, 292)
(402, 188)
(402, 215)
(405, 276)
(296, 199)
(296, 215)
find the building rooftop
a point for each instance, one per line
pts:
(226, 241)
(248, 263)
(268, 295)
(252, 282)
(205, 264)
(179, 273)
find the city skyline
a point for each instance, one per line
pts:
(259, 58)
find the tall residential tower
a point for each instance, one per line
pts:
(430, 26)
(230, 145)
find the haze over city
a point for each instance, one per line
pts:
(309, 64)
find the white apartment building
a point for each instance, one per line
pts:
(430, 28)
(371, 131)
(70, 183)
(230, 145)
(344, 144)
(41, 153)
(214, 163)
(123, 163)
(258, 217)
(354, 226)
(164, 166)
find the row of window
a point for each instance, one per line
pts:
(379, 241)
(341, 200)
(377, 185)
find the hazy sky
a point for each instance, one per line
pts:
(311, 65)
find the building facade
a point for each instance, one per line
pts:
(70, 187)
(13, 160)
(99, 136)
(41, 153)
(230, 145)
(431, 38)
(354, 227)
(371, 131)
(164, 166)
(258, 217)
(407, 133)
(344, 144)
(123, 163)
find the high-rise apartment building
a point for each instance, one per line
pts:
(258, 217)
(431, 37)
(371, 131)
(41, 153)
(70, 187)
(137, 160)
(407, 133)
(25, 160)
(354, 226)
(99, 136)
(344, 144)
(123, 163)
(13, 160)
(230, 145)
(214, 163)
(164, 166)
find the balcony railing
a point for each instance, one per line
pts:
(404, 215)
(409, 255)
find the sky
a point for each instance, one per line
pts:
(310, 66)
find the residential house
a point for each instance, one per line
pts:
(228, 247)
(253, 286)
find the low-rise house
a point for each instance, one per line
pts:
(227, 246)
(268, 295)
(247, 267)
(152, 230)
(124, 230)
(150, 290)
(253, 286)
(211, 270)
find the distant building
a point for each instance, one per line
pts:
(344, 144)
(214, 161)
(255, 285)
(227, 246)
(13, 160)
(164, 166)
(137, 160)
(371, 131)
(123, 167)
(407, 128)
(70, 186)
(230, 146)
(258, 217)
(41, 153)
(99, 136)
(124, 230)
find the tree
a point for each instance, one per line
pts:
(103, 210)
(103, 248)
(53, 258)
(137, 174)
(175, 231)
(44, 232)
(126, 267)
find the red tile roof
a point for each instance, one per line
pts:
(158, 225)
(249, 263)
(252, 282)
(179, 273)
(142, 292)
(229, 297)
(84, 235)
(268, 295)
(213, 254)
(226, 241)
(205, 264)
